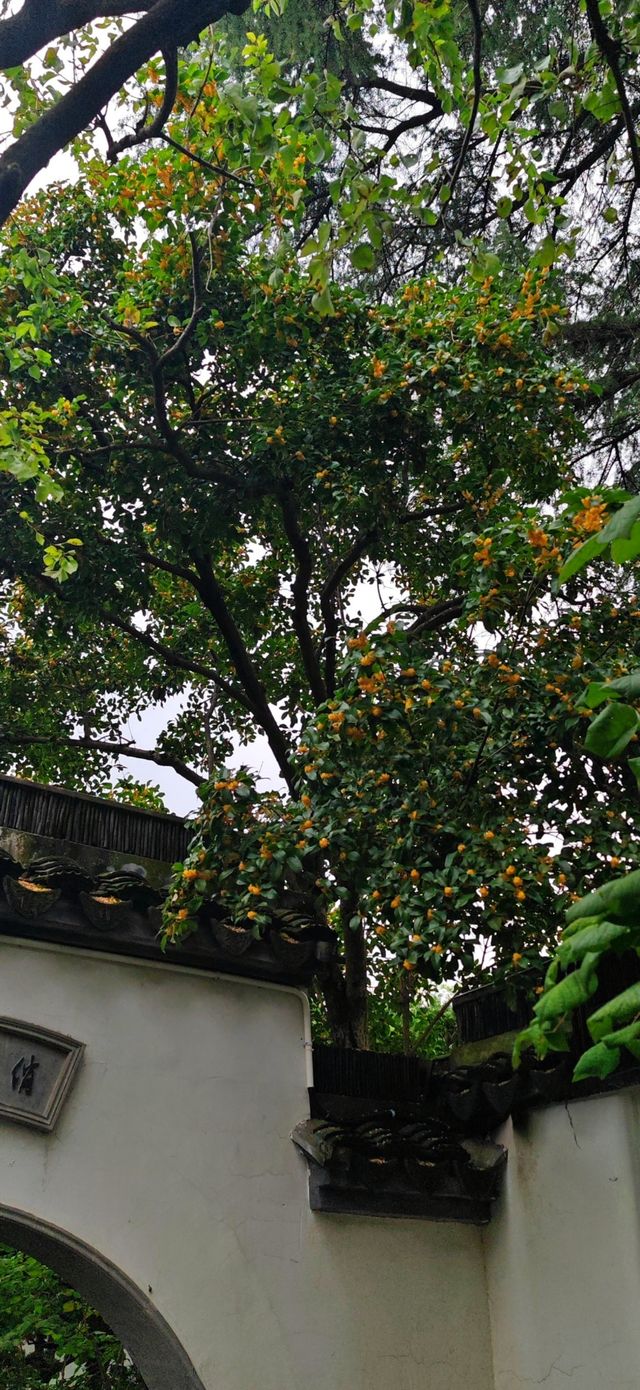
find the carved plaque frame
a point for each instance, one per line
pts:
(26, 1097)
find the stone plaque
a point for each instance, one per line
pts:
(37, 1068)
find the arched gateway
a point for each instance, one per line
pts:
(150, 1341)
(147, 1104)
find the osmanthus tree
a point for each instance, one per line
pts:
(212, 465)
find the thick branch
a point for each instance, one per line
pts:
(610, 50)
(172, 659)
(157, 363)
(300, 589)
(196, 309)
(143, 133)
(169, 23)
(328, 594)
(206, 163)
(398, 89)
(39, 22)
(213, 596)
(477, 90)
(327, 602)
(149, 755)
(438, 615)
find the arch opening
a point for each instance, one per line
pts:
(154, 1349)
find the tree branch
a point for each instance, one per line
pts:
(477, 91)
(157, 363)
(39, 22)
(143, 133)
(300, 590)
(438, 616)
(206, 163)
(149, 755)
(172, 659)
(169, 23)
(256, 700)
(399, 89)
(610, 50)
(328, 593)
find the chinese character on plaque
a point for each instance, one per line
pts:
(37, 1068)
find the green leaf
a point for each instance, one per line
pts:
(532, 1036)
(598, 1061)
(626, 548)
(610, 732)
(628, 1037)
(634, 764)
(621, 897)
(595, 694)
(624, 1006)
(504, 206)
(621, 523)
(581, 556)
(532, 212)
(363, 256)
(547, 252)
(598, 937)
(323, 303)
(507, 76)
(576, 989)
(627, 686)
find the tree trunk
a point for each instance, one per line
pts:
(356, 983)
(345, 990)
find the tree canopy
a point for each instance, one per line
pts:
(300, 417)
(214, 465)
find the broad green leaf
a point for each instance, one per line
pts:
(595, 694)
(510, 75)
(624, 1006)
(323, 303)
(598, 1061)
(599, 937)
(621, 897)
(580, 557)
(611, 731)
(627, 686)
(363, 257)
(626, 548)
(566, 996)
(628, 1037)
(547, 253)
(621, 523)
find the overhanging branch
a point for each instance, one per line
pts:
(168, 24)
(115, 749)
(39, 22)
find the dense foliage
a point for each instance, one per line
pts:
(50, 1338)
(214, 468)
(605, 923)
(305, 402)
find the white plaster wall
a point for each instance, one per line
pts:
(172, 1157)
(563, 1250)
